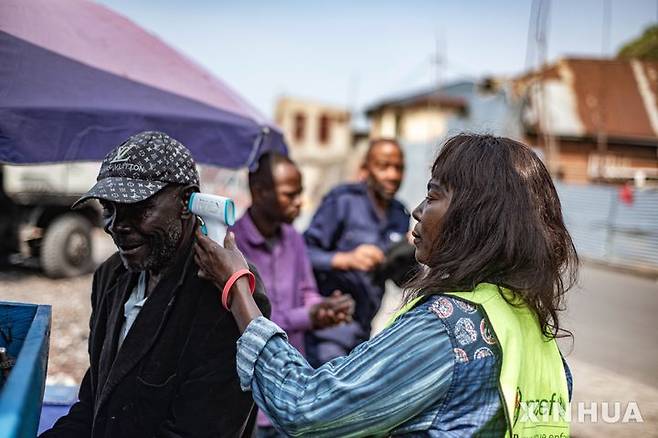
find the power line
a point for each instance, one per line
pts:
(606, 27)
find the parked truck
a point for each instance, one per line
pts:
(37, 225)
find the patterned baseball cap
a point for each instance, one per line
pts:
(140, 167)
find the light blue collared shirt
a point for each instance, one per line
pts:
(133, 306)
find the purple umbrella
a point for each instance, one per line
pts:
(76, 79)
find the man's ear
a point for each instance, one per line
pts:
(186, 192)
(258, 192)
(363, 172)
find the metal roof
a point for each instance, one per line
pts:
(441, 96)
(586, 97)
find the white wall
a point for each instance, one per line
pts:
(323, 165)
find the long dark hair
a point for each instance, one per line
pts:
(503, 226)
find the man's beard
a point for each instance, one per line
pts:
(378, 190)
(163, 247)
(163, 250)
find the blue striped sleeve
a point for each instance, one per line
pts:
(380, 385)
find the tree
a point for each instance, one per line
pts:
(644, 47)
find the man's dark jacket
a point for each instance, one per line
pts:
(175, 373)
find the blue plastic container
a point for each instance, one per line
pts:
(25, 333)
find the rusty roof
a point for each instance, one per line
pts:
(586, 97)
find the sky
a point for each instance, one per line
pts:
(356, 53)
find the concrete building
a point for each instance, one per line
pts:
(319, 137)
(421, 121)
(429, 116)
(417, 118)
(593, 119)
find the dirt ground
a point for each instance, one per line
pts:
(71, 309)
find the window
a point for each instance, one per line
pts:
(300, 127)
(323, 132)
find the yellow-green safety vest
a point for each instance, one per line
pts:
(532, 383)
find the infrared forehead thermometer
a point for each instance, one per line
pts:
(216, 212)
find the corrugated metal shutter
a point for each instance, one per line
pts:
(602, 226)
(605, 228)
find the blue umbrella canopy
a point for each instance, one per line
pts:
(76, 79)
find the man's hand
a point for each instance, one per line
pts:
(333, 310)
(364, 257)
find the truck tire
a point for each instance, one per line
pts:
(66, 248)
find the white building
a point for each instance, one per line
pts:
(319, 137)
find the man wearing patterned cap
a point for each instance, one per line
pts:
(162, 351)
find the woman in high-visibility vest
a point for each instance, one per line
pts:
(472, 349)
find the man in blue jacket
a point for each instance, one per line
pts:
(355, 225)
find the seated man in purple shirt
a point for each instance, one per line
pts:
(267, 239)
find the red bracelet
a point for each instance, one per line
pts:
(231, 281)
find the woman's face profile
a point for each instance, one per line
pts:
(430, 214)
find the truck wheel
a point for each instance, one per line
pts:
(66, 248)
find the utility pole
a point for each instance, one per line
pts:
(601, 132)
(437, 61)
(551, 146)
